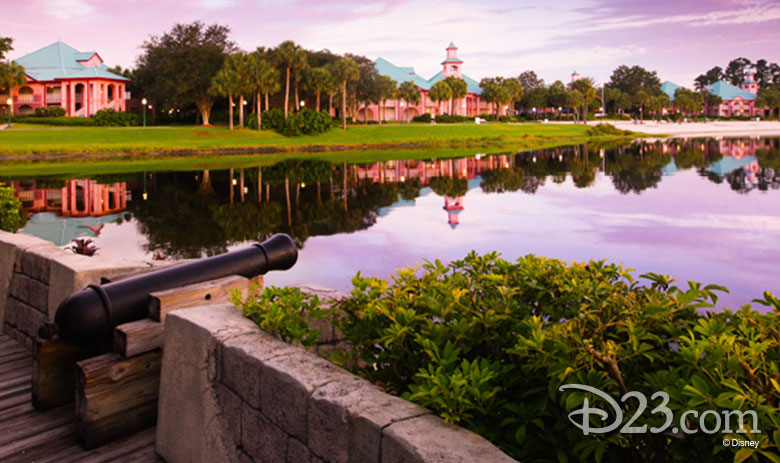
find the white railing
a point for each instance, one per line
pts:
(28, 98)
(54, 98)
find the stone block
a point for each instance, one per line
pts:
(230, 406)
(329, 424)
(28, 320)
(261, 439)
(36, 264)
(191, 426)
(29, 290)
(12, 309)
(427, 439)
(241, 359)
(286, 382)
(297, 452)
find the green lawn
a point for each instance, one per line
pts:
(24, 139)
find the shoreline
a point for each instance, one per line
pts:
(730, 129)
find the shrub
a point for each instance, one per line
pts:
(273, 119)
(10, 210)
(64, 121)
(49, 111)
(422, 118)
(487, 343)
(111, 118)
(446, 118)
(606, 129)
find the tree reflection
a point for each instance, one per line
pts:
(189, 214)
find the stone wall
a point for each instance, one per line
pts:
(36, 275)
(231, 392)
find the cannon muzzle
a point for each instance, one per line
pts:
(88, 317)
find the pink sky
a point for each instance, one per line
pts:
(677, 38)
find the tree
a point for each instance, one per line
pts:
(769, 98)
(225, 83)
(365, 88)
(243, 69)
(288, 56)
(409, 92)
(657, 103)
(319, 80)
(346, 72)
(735, 71)
(514, 91)
(535, 97)
(11, 75)
(388, 90)
(459, 89)
(529, 80)
(493, 91)
(265, 79)
(439, 92)
(6, 45)
(574, 101)
(710, 99)
(175, 69)
(688, 100)
(585, 88)
(633, 79)
(708, 78)
(640, 100)
(557, 96)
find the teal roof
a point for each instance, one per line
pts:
(452, 60)
(404, 74)
(729, 92)
(669, 88)
(61, 61)
(451, 45)
(728, 164)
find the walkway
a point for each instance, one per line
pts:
(27, 435)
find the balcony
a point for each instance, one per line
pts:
(28, 99)
(53, 98)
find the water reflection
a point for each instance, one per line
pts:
(173, 215)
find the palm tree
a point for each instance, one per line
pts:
(345, 71)
(514, 90)
(318, 81)
(439, 92)
(243, 68)
(11, 75)
(410, 93)
(585, 88)
(387, 90)
(288, 56)
(459, 89)
(224, 83)
(264, 77)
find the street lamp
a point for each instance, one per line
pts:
(9, 102)
(143, 102)
(303, 104)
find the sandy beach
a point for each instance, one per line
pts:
(701, 129)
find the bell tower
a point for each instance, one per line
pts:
(452, 64)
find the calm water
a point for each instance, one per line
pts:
(707, 210)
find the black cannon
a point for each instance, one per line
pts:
(88, 317)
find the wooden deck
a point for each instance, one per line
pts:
(27, 435)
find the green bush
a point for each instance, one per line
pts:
(64, 121)
(49, 111)
(422, 118)
(446, 118)
(606, 129)
(486, 343)
(111, 118)
(10, 210)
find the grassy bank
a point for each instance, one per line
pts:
(27, 140)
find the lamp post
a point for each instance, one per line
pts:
(143, 102)
(303, 105)
(9, 102)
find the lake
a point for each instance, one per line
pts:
(705, 210)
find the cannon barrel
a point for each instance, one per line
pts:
(88, 317)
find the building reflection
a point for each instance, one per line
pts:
(307, 197)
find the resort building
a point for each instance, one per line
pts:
(60, 75)
(736, 101)
(400, 110)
